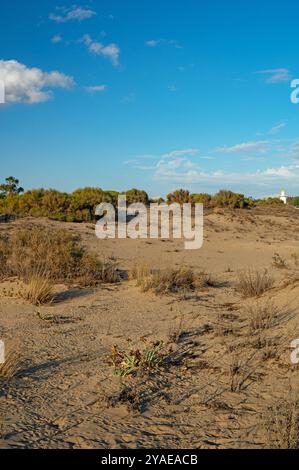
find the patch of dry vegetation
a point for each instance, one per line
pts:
(38, 290)
(40, 256)
(262, 316)
(11, 366)
(170, 280)
(254, 283)
(281, 423)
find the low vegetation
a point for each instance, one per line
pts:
(38, 290)
(253, 283)
(262, 316)
(79, 206)
(39, 257)
(150, 357)
(170, 280)
(281, 423)
(11, 366)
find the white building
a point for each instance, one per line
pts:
(283, 196)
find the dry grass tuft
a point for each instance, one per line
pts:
(170, 281)
(253, 283)
(58, 253)
(139, 272)
(38, 290)
(11, 366)
(262, 316)
(241, 371)
(281, 423)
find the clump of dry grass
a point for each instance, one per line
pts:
(11, 366)
(241, 370)
(58, 253)
(262, 316)
(253, 283)
(139, 272)
(3, 256)
(170, 280)
(281, 423)
(38, 290)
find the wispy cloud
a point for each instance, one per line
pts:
(191, 152)
(56, 39)
(273, 76)
(255, 146)
(96, 88)
(278, 127)
(75, 13)
(163, 42)
(30, 85)
(110, 51)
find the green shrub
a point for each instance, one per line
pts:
(180, 196)
(137, 195)
(269, 201)
(202, 198)
(225, 198)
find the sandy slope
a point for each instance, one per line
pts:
(65, 390)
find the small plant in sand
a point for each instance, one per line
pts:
(170, 280)
(262, 316)
(253, 283)
(241, 370)
(11, 366)
(278, 262)
(281, 423)
(151, 357)
(38, 290)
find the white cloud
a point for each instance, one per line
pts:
(74, 13)
(153, 42)
(276, 75)
(177, 168)
(166, 42)
(56, 39)
(278, 127)
(111, 51)
(179, 153)
(96, 88)
(30, 85)
(255, 146)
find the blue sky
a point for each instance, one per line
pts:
(150, 94)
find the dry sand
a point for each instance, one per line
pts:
(65, 394)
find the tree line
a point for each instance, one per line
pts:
(79, 205)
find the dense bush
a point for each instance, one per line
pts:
(181, 196)
(202, 198)
(294, 201)
(137, 195)
(230, 199)
(78, 206)
(269, 201)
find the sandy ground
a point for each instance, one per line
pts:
(65, 394)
